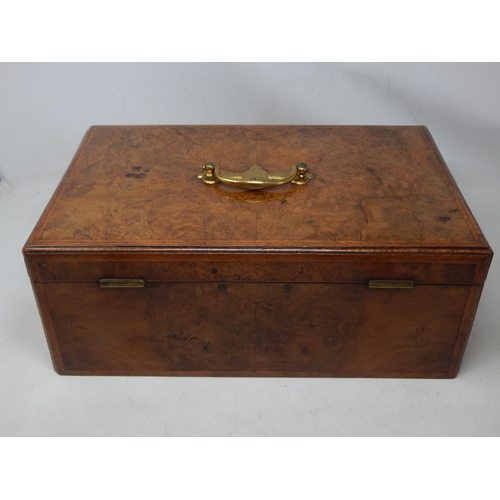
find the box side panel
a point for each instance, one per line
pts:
(48, 326)
(464, 330)
(258, 329)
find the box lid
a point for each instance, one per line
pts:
(376, 189)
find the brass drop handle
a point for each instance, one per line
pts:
(255, 177)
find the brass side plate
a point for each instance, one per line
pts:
(391, 284)
(121, 283)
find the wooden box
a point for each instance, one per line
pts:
(373, 268)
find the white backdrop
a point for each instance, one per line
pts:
(45, 110)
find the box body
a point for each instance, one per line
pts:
(269, 283)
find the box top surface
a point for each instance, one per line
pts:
(374, 188)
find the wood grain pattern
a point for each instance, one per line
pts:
(270, 283)
(374, 186)
(217, 271)
(257, 329)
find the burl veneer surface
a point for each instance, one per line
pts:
(257, 329)
(373, 187)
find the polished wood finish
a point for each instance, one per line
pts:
(374, 187)
(257, 329)
(342, 269)
(272, 282)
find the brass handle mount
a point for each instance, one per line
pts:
(255, 177)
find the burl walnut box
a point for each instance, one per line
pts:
(359, 258)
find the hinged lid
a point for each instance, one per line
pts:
(375, 190)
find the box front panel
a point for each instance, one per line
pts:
(262, 329)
